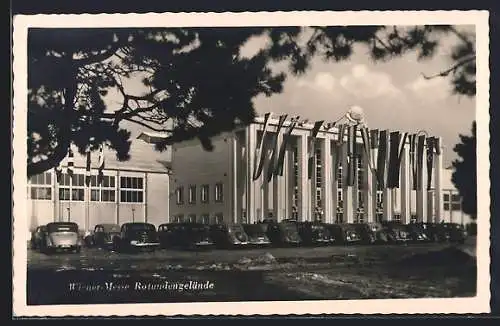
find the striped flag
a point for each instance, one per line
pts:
(310, 161)
(365, 135)
(397, 142)
(259, 150)
(337, 152)
(58, 172)
(437, 145)
(87, 169)
(281, 157)
(430, 159)
(71, 163)
(272, 162)
(351, 155)
(101, 165)
(374, 138)
(413, 160)
(382, 157)
(342, 131)
(419, 160)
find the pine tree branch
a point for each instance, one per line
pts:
(453, 68)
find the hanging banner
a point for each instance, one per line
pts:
(337, 153)
(430, 160)
(272, 162)
(351, 155)
(310, 160)
(420, 159)
(437, 145)
(87, 169)
(342, 131)
(260, 151)
(413, 160)
(286, 140)
(102, 165)
(397, 143)
(365, 135)
(382, 158)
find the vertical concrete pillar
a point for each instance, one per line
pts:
(438, 184)
(368, 190)
(250, 143)
(405, 186)
(327, 179)
(387, 193)
(303, 208)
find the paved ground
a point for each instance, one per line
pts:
(398, 271)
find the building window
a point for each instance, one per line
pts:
(318, 178)
(361, 200)
(179, 218)
(452, 202)
(397, 217)
(219, 218)
(205, 219)
(219, 192)
(179, 195)
(339, 178)
(41, 186)
(105, 191)
(131, 190)
(72, 188)
(192, 194)
(191, 218)
(360, 215)
(339, 215)
(295, 199)
(204, 193)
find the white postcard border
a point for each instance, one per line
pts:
(478, 304)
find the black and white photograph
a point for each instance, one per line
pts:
(297, 162)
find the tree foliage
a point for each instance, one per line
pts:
(465, 172)
(199, 83)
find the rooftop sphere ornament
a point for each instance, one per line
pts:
(355, 114)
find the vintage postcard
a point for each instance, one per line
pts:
(251, 163)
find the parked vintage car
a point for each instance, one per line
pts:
(456, 232)
(185, 236)
(229, 235)
(435, 232)
(371, 233)
(103, 235)
(417, 233)
(136, 236)
(344, 233)
(256, 235)
(37, 236)
(61, 236)
(396, 232)
(283, 234)
(313, 234)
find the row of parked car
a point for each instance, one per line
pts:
(146, 237)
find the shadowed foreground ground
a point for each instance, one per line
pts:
(361, 272)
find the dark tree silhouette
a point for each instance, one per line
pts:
(199, 84)
(464, 174)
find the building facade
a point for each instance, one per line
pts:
(221, 185)
(133, 190)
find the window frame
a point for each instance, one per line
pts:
(138, 190)
(219, 193)
(100, 189)
(192, 194)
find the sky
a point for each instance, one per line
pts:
(394, 95)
